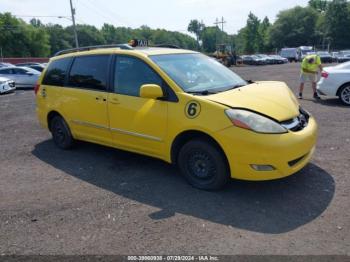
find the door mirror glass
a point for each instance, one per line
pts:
(151, 91)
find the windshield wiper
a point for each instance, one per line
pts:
(234, 87)
(202, 92)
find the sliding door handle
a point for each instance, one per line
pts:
(114, 101)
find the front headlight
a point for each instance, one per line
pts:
(255, 122)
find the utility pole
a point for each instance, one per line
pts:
(74, 27)
(217, 23)
(222, 22)
(216, 32)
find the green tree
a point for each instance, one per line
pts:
(196, 28)
(319, 5)
(37, 41)
(264, 31)
(59, 38)
(35, 22)
(209, 35)
(294, 27)
(251, 34)
(88, 35)
(19, 39)
(145, 32)
(337, 23)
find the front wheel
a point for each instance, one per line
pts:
(344, 95)
(61, 134)
(203, 165)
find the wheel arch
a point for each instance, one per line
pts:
(340, 87)
(185, 136)
(50, 116)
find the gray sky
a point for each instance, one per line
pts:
(171, 15)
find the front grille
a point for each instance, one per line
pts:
(298, 123)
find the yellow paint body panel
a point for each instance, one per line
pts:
(150, 127)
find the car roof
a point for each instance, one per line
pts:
(39, 65)
(22, 67)
(11, 67)
(140, 51)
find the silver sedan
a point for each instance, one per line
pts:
(22, 76)
(6, 85)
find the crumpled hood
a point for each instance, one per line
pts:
(270, 98)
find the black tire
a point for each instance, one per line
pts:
(203, 165)
(344, 93)
(61, 134)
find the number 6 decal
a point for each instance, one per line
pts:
(192, 109)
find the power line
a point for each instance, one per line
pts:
(106, 13)
(57, 16)
(93, 10)
(113, 14)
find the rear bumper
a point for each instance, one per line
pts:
(326, 88)
(287, 153)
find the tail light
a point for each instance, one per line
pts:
(324, 74)
(36, 88)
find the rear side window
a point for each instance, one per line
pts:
(19, 71)
(6, 71)
(56, 72)
(89, 72)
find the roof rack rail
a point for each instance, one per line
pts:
(168, 46)
(87, 48)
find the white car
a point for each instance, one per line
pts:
(23, 76)
(6, 85)
(335, 81)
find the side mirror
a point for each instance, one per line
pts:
(151, 91)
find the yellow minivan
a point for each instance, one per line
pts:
(177, 105)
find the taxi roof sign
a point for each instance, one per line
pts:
(138, 42)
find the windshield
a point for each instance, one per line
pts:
(288, 52)
(306, 51)
(197, 72)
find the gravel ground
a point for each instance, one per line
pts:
(97, 200)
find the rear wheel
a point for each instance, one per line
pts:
(203, 165)
(344, 95)
(61, 134)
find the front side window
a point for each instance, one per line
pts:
(198, 73)
(131, 73)
(89, 72)
(56, 72)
